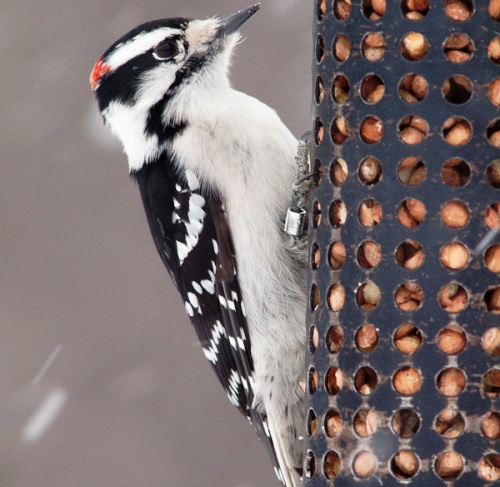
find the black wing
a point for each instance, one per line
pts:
(192, 236)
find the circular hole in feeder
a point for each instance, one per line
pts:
(454, 256)
(455, 214)
(452, 339)
(338, 213)
(492, 217)
(408, 339)
(310, 464)
(493, 132)
(340, 89)
(338, 171)
(316, 214)
(413, 88)
(415, 9)
(315, 256)
(457, 89)
(320, 48)
(370, 170)
(490, 425)
(366, 338)
(337, 255)
(412, 129)
(334, 380)
(342, 9)
(340, 130)
(321, 9)
(457, 131)
(370, 213)
(333, 423)
(368, 296)
(409, 296)
(341, 48)
(404, 465)
(374, 9)
(372, 88)
(405, 422)
(449, 423)
(453, 297)
(494, 10)
(318, 173)
(311, 422)
(365, 422)
(336, 297)
(369, 254)
(365, 380)
(334, 339)
(410, 254)
(492, 258)
(314, 297)
(313, 338)
(458, 48)
(373, 47)
(412, 171)
(459, 10)
(491, 383)
(493, 92)
(371, 129)
(364, 464)
(494, 50)
(449, 465)
(489, 467)
(493, 174)
(407, 381)
(319, 91)
(492, 300)
(331, 465)
(414, 46)
(455, 172)
(313, 380)
(451, 381)
(490, 341)
(319, 131)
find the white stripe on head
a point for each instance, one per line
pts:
(138, 45)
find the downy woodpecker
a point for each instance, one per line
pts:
(215, 168)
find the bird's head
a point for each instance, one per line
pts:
(151, 81)
(160, 58)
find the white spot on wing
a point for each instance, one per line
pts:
(193, 300)
(197, 287)
(222, 301)
(208, 286)
(189, 309)
(182, 251)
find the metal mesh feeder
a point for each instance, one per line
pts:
(403, 375)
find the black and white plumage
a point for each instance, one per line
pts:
(215, 169)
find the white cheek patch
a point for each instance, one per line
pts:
(154, 84)
(138, 45)
(128, 123)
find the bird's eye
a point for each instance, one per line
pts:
(165, 50)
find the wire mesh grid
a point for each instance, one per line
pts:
(404, 335)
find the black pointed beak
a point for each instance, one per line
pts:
(233, 22)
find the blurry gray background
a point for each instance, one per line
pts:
(102, 382)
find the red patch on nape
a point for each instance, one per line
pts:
(100, 69)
